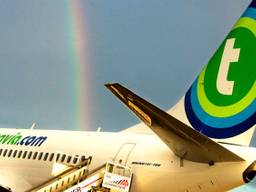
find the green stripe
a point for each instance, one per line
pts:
(248, 23)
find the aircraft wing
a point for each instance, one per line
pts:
(184, 141)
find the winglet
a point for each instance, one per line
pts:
(184, 141)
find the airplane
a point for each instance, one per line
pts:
(201, 144)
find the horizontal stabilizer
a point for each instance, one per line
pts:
(184, 141)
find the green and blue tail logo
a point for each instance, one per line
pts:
(221, 102)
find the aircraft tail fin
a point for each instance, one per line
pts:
(221, 103)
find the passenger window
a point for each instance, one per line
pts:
(14, 154)
(1, 151)
(24, 154)
(35, 154)
(10, 153)
(20, 153)
(45, 156)
(30, 154)
(51, 157)
(63, 158)
(5, 151)
(83, 158)
(58, 156)
(69, 159)
(75, 159)
(40, 156)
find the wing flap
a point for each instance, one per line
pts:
(184, 141)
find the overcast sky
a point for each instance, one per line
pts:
(156, 48)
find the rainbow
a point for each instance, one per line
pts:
(79, 64)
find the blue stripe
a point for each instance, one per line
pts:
(218, 122)
(253, 4)
(250, 12)
(212, 131)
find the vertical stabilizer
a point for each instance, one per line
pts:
(221, 102)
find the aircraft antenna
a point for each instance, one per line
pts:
(33, 126)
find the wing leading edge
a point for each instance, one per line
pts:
(184, 141)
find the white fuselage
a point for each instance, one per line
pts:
(154, 165)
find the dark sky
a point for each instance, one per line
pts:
(156, 48)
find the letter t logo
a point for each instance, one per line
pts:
(230, 54)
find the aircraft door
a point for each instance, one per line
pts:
(123, 153)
